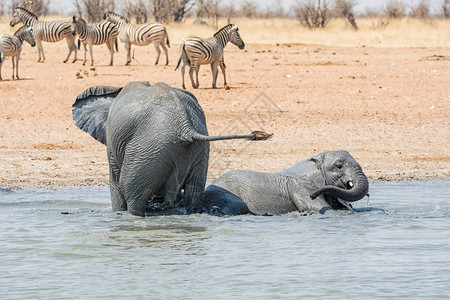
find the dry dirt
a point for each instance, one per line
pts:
(389, 107)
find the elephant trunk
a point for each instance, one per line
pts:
(357, 189)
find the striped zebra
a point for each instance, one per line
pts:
(195, 51)
(140, 35)
(12, 46)
(95, 34)
(47, 31)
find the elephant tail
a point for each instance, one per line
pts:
(254, 136)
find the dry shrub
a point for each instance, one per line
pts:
(344, 8)
(445, 5)
(313, 14)
(171, 10)
(395, 9)
(136, 10)
(93, 10)
(37, 7)
(421, 11)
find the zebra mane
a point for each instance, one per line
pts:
(27, 12)
(116, 16)
(21, 30)
(226, 27)
(80, 19)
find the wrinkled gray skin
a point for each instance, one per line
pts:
(157, 142)
(315, 184)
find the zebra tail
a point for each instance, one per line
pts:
(117, 48)
(79, 43)
(182, 52)
(167, 38)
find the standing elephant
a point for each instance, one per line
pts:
(157, 142)
(326, 181)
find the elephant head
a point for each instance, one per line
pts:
(344, 178)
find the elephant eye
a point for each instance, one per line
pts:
(339, 165)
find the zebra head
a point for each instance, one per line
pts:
(235, 38)
(16, 18)
(25, 33)
(74, 27)
(21, 14)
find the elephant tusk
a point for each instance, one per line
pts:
(350, 184)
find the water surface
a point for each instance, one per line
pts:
(68, 243)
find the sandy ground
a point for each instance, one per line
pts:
(389, 107)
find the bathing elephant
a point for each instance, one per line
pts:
(157, 142)
(326, 181)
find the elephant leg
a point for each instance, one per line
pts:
(140, 179)
(117, 199)
(194, 187)
(171, 191)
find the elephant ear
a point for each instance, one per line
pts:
(91, 108)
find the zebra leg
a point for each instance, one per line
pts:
(69, 44)
(163, 45)
(39, 45)
(192, 68)
(74, 47)
(13, 65)
(128, 50)
(157, 51)
(2, 59)
(222, 67)
(196, 75)
(17, 65)
(85, 51)
(110, 45)
(91, 53)
(182, 74)
(214, 72)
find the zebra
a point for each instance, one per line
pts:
(47, 31)
(195, 51)
(140, 34)
(95, 34)
(12, 46)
